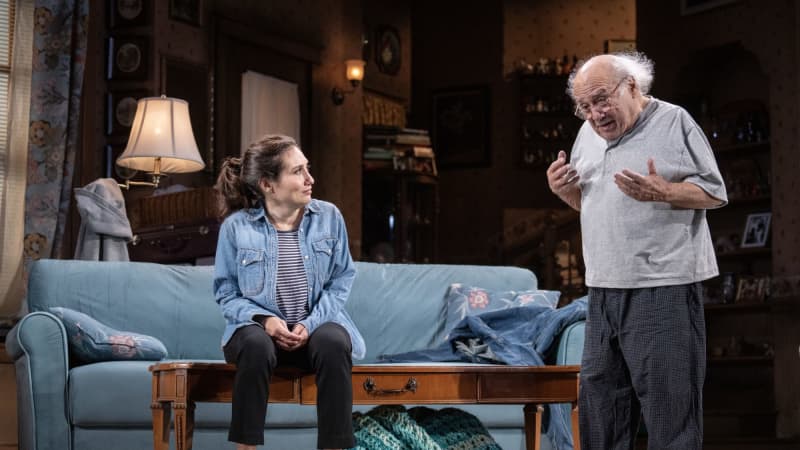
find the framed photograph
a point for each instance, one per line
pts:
(387, 50)
(752, 289)
(619, 45)
(461, 127)
(187, 11)
(128, 13)
(191, 82)
(696, 6)
(756, 230)
(120, 111)
(127, 58)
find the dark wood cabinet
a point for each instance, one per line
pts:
(739, 315)
(547, 122)
(400, 216)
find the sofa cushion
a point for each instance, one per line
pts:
(462, 301)
(173, 303)
(92, 341)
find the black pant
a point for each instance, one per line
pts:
(644, 353)
(256, 356)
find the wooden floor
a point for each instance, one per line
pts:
(741, 444)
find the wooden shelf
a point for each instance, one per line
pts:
(555, 114)
(748, 201)
(740, 360)
(745, 252)
(741, 149)
(782, 304)
(739, 412)
(737, 307)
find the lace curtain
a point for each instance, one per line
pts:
(13, 159)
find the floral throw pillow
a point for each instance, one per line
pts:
(91, 341)
(463, 301)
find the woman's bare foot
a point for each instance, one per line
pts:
(245, 447)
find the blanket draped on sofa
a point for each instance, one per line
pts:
(520, 336)
(420, 428)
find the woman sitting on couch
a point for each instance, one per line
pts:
(282, 276)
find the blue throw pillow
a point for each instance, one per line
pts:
(462, 301)
(91, 341)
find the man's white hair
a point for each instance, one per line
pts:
(627, 64)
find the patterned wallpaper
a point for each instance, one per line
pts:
(553, 28)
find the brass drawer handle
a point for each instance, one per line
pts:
(369, 386)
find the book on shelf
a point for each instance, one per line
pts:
(422, 151)
(378, 164)
(379, 153)
(391, 135)
(413, 131)
(425, 166)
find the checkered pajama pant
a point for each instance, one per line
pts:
(645, 356)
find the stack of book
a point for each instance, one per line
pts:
(399, 149)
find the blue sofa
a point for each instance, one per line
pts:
(106, 405)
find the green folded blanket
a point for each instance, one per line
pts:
(393, 427)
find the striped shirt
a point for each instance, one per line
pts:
(291, 283)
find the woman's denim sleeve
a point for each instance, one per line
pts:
(336, 289)
(235, 307)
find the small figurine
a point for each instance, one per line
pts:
(541, 66)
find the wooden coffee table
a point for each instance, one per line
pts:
(178, 385)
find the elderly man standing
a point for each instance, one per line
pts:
(642, 174)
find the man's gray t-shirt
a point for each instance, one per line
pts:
(633, 244)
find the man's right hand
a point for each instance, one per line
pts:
(563, 181)
(276, 328)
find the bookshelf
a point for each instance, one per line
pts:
(400, 195)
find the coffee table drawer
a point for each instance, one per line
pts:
(404, 388)
(520, 387)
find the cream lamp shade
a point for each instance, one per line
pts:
(161, 139)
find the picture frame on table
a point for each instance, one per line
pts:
(121, 109)
(461, 127)
(187, 11)
(128, 58)
(129, 13)
(192, 82)
(752, 289)
(756, 230)
(619, 45)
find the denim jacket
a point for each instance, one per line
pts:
(246, 269)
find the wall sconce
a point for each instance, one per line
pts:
(161, 141)
(355, 73)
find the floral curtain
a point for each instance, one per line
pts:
(59, 56)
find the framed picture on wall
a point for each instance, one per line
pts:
(120, 111)
(756, 230)
(128, 58)
(187, 11)
(461, 127)
(128, 13)
(387, 50)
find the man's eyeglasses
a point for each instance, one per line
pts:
(600, 103)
